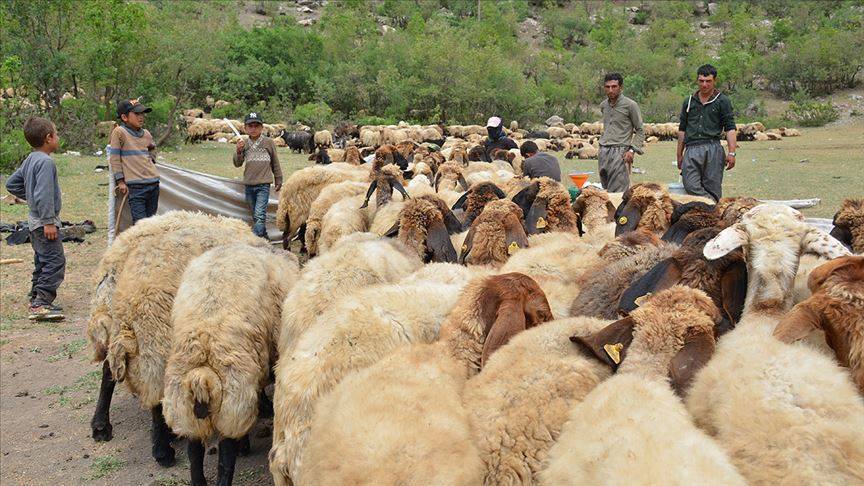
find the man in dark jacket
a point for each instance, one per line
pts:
(539, 164)
(706, 116)
(497, 138)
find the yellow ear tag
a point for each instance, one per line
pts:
(512, 248)
(541, 223)
(622, 220)
(641, 300)
(464, 247)
(614, 351)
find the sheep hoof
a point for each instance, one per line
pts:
(164, 456)
(103, 432)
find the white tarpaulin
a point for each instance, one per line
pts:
(189, 190)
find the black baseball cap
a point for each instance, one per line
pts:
(126, 106)
(253, 118)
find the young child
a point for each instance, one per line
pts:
(36, 182)
(133, 160)
(262, 167)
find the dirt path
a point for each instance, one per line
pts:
(48, 389)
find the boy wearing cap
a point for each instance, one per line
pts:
(132, 160)
(497, 138)
(262, 167)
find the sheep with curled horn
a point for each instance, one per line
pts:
(546, 206)
(426, 225)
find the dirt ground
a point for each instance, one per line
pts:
(48, 386)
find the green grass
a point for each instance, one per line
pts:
(103, 466)
(68, 350)
(87, 383)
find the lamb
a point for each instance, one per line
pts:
(223, 348)
(135, 338)
(355, 261)
(520, 400)
(546, 206)
(835, 306)
(329, 196)
(632, 425)
(323, 138)
(644, 205)
(302, 187)
(355, 333)
(849, 225)
(339, 452)
(784, 412)
(495, 235)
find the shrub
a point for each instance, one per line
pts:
(314, 114)
(661, 106)
(13, 146)
(641, 17)
(374, 120)
(811, 113)
(232, 111)
(76, 123)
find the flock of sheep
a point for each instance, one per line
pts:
(458, 324)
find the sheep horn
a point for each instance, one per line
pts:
(369, 193)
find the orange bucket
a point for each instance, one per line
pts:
(579, 178)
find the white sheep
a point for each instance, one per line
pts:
(329, 196)
(224, 348)
(784, 412)
(633, 425)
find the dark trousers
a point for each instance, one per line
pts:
(257, 197)
(143, 200)
(49, 267)
(702, 170)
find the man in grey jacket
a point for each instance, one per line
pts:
(622, 138)
(36, 182)
(539, 164)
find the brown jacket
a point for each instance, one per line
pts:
(132, 156)
(262, 163)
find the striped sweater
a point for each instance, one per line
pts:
(132, 155)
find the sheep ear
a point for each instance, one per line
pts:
(609, 344)
(515, 238)
(398, 186)
(842, 235)
(579, 206)
(369, 192)
(627, 218)
(664, 275)
(499, 193)
(463, 183)
(822, 272)
(393, 231)
(460, 203)
(733, 290)
(798, 323)
(677, 232)
(726, 241)
(525, 198)
(579, 227)
(437, 181)
(438, 243)
(610, 212)
(509, 321)
(408, 174)
(466, 247)
(451, 222)
(697, 350)
(821, 243)
(535, 218)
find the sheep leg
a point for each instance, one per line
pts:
(301, 235)
(265, 405)
(286, 240)
(227, 459)
(101, 423)
(161, 437)
(195, 451)
(243, 446)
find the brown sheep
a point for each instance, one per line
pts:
(490, 311)
(352, 155)
(425, 225)
(644, 205)
(546, 205)
(451, 171)
(384, 181)
(460, 155)
(837, 307)
(494, 235)
(475, 199)
(849, 225)
(724, 279)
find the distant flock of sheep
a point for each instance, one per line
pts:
(577, 141)
(458, 324)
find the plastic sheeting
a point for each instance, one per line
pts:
(184, 189)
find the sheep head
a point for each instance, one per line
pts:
(384, 181)
(593, 208)
(546, 205)
(672, 334)
(731, 209)
(627, 244)
(644, 205)
(849, 225)
(476, 198)
(773, 238)
(425, 225)
(452, 172)
(494, 235)
(690, 217)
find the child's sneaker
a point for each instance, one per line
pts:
(45, 313)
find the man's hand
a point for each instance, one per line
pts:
(628, 157)
(50, 231)
(241, 144)
(278, 187)
(121, 187)
(730, 162)
(680, 161)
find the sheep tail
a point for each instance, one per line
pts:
(120, 349)
(205, 388)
